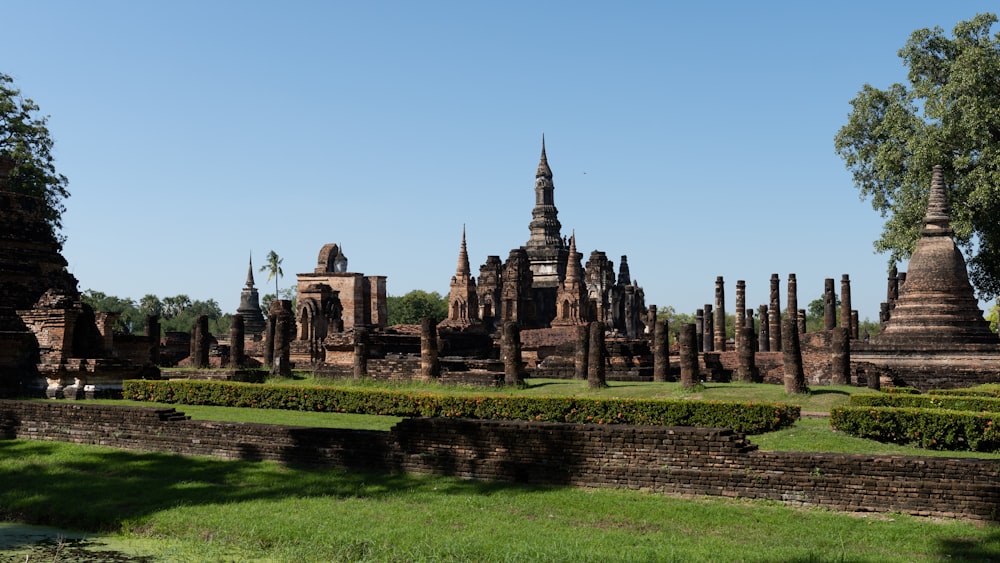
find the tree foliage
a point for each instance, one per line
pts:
(272, 266)
(177, 313)
(948, 115)
(414, 306)
(25, 145)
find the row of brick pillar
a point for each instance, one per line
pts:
(710, 321)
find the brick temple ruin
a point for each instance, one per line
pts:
(51, 342)
(933, 334)
(542, 286)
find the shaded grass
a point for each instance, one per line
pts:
(818, 399)
(199, 509)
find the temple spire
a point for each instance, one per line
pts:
(572, 263)
(937, 221)
(250, 272)
(463, 268)
(544, 224)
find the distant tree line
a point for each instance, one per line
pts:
(414, 306)
(177, 313)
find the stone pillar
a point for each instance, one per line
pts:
(237, 342)
(580, 352)
(202, 342)
(284, 331)
(791, 355)
(661, 352)
(749, 323)
(793, 303)
(595, 365)
(689, 356)
(883, 315)
(699, 321)
(873, 380)
(774, 318)
(719, 335)
(709, 337)
(854, 324)
(902, 280)
(429, 367)
(800, 320)
(764, 343)
(829, 305)
(269, 335)
(651, 319)
(739, 320)
(153, 333)
(361, 352)
(845, 304)
(746, 372)
(840, 345)
(513, 362)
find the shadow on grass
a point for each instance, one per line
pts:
(821, 391)
(96, 489)
(979, 549)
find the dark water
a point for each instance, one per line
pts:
(22, 543)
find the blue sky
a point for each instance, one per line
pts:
(696, 138)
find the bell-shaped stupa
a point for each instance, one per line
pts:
(937, 307)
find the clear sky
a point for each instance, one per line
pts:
(694, 137)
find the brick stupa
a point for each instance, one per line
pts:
(937, 307)
(935, 336)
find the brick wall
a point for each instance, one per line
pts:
(681, 461)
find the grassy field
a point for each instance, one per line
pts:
(175, 508)
(197, 509)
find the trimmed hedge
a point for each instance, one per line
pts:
(750, 418)
(987, 390)
(955, 403)
(934, 429)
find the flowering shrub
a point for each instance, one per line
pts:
(750, 418)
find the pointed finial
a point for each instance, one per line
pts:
(250, 271)
(463, 269)
(543, 163)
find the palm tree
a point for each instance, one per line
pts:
(273, 269)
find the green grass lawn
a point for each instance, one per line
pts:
(199, 509)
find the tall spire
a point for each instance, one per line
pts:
(572, 262)
(250, 272)
(463, 268)
(544, 224)
(937, 221)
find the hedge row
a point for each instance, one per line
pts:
(750, 418)
(987, 390)
(955, 402)
(934, 429)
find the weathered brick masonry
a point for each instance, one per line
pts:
(674, 460)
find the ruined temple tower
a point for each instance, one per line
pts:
(463, 300)
(937, 307)
(249, 309)
(572, 304)
(547, 253)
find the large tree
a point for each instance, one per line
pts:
(948, 114)
(26, 152)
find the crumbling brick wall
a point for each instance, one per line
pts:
(681, 461)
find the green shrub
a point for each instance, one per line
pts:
(744, 417)
(955, 403)
(987, 390)
(902, 390)
(936, 429)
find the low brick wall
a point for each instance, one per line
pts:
(681, 461)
